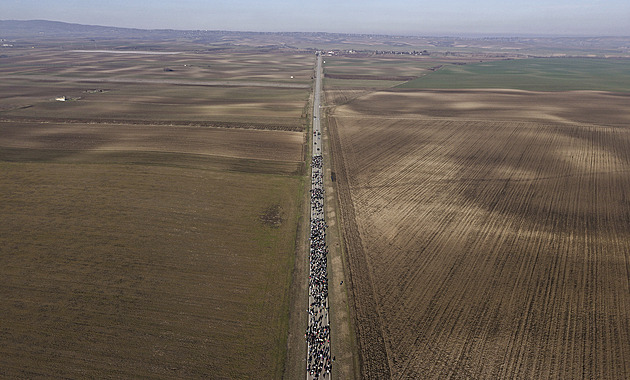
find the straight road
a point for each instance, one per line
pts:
(319, 363)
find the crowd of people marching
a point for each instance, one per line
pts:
(318, 332)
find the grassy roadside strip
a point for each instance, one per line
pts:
(289, 331)
(343, 337)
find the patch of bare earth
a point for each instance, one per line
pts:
(487, 232)
(272, 216)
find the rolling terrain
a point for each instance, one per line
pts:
(487, 232)
(153, 195)
(149, 227)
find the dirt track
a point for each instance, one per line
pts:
(371, 347)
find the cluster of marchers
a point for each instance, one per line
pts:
(318, 332)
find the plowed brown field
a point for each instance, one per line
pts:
(488, 233)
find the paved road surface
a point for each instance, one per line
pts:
(318, 358)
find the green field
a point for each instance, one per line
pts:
(359, 83)
(543, 74)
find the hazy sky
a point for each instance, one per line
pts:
(436, 17)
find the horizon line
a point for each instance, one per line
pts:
(467, 35)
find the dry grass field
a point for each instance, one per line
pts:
(127, 251)
(144, 271)
(260, 108)
(202, 89)
(361, 72)
(121, 62)
(97, 141)
(368, 72)
(148, 230)
(377, 68)
(487, 232)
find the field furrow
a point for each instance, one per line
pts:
(495, 248)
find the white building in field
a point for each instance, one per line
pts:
(61, 99)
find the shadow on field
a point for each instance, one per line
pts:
(548, 175)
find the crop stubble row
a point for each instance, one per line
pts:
(371, 346)
(494, 249)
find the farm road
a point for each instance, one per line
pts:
(318, 358)
(218, 83)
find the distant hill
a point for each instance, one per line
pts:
(33, 28)
(507, 47)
